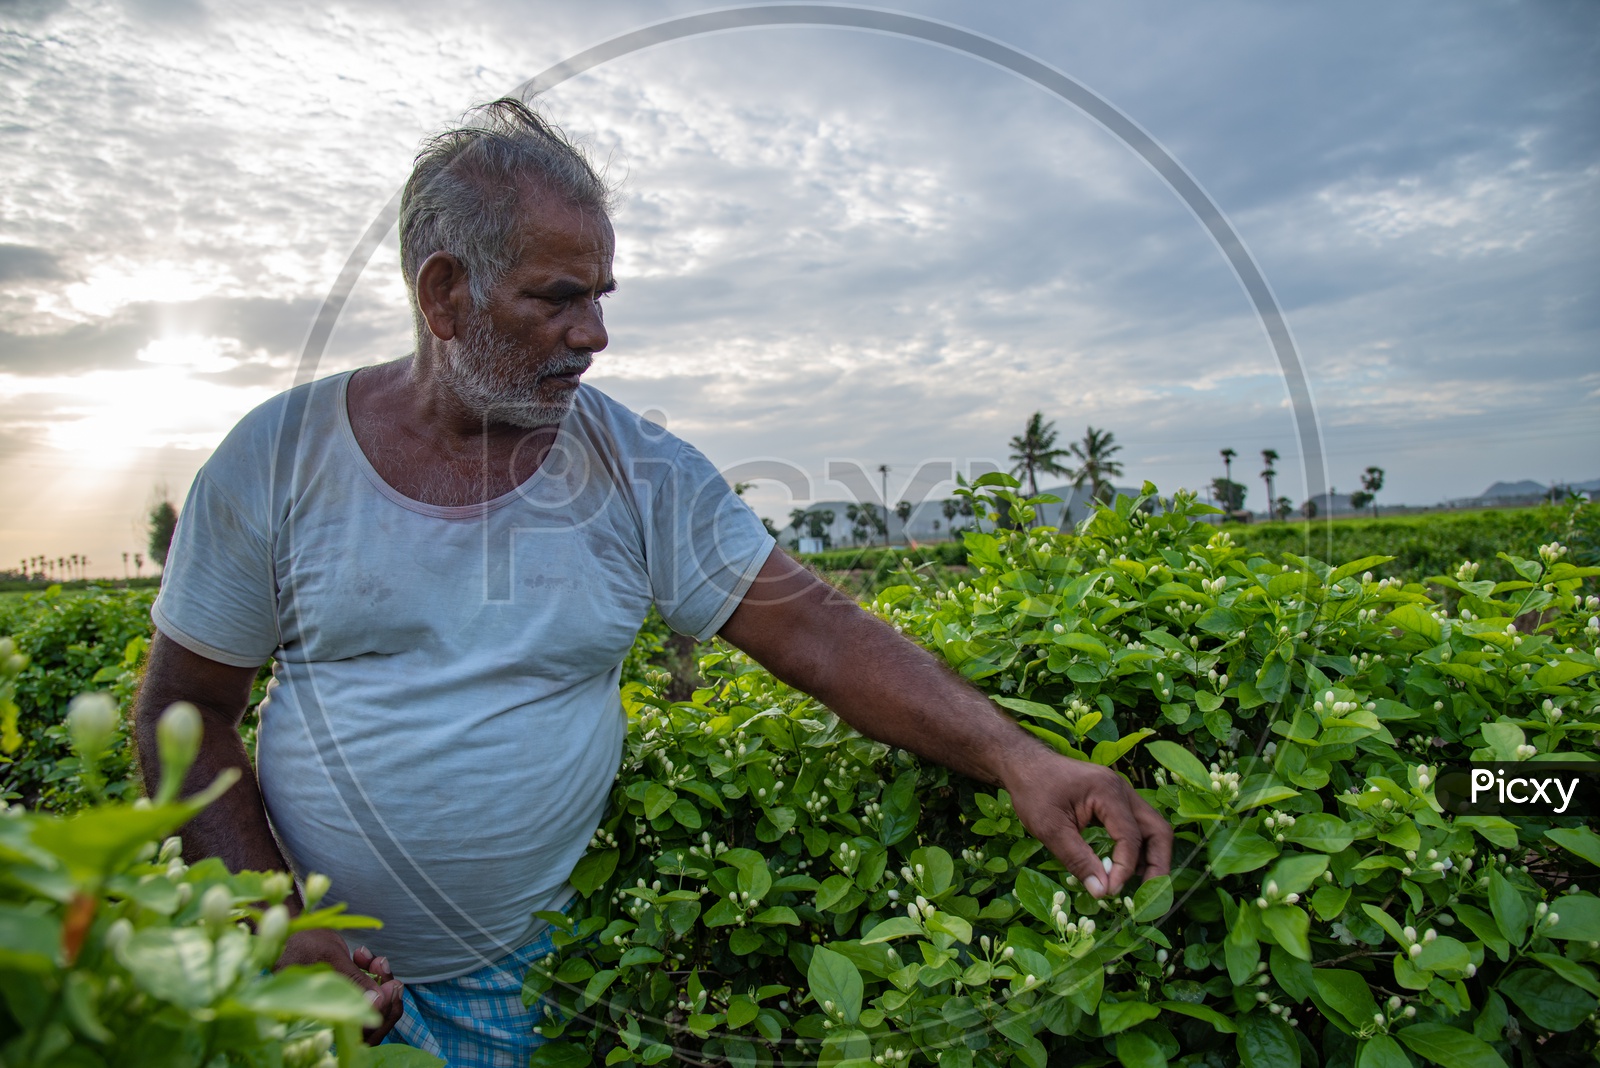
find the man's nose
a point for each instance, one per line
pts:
(589, 333)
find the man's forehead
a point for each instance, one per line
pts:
(544, 215)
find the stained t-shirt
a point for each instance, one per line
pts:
(443, 724)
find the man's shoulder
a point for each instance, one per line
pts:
(277, 434)
(619, 431)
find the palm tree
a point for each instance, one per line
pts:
(138, 565)
(1227, 464)
(1035, 450)
(124, 566)
(1269, 457)
(867, 518)
(902, 509)
(1096, 467)
(1372, 482)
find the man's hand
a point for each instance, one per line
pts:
(327, 947)
(818, 640)
(1057, 798)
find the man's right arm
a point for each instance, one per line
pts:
(235, 827)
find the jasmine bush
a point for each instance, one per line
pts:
(770, 887)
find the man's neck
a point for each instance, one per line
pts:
(426, 444)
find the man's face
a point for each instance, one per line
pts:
(518, 359)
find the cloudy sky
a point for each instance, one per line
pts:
(832, 244)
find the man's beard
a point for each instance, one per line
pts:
(488, 372)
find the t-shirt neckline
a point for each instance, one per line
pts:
(437, 511)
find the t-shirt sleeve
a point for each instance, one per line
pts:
(218, 592)
(705, 546)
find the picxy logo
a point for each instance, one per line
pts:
(1529, 788)
(1525, 789)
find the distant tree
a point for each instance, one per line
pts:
(740, 487)
(1096, 467)
(817, 522)
(1229, 494)
(797, 518)
(1035, 450)
(1269, 457)
(902, 510)
(1309, 509)
(770, 528)
(124, 566)
(138, 565)
(1360, 499)
(163, 521)
(954, 507)
(1372, 482)
(1284, 508)
(1227, 476)
(867, 519)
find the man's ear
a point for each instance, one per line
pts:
(442, 294)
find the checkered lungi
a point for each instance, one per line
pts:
(476, 1020)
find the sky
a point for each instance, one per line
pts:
(832, 245)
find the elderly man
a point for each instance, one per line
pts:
(448, 556)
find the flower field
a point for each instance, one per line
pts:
(772, 888)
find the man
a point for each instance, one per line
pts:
(447, 558)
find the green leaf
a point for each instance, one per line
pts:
(893, 927)
(1482, 925)
(1450, 1046)
(1496, 829)
(1510, 908)
(1418, 620)
(1201, 1012)
(1381, 1051)
(303, 993)
(1108, 753)
(1265, 1041)
(556, 1055)
(742, 1009)
(1580, 918)
(1444, 954)
(1182, 763)
(1241, 950)
(1290, 927)
(657, 799)
(1348, 993)
(1152, 900)
(1239, 850)
(1570, 970)
(593, 870)
(1355, 567)
(901, 809)
(1321, 831)
(1118, 1016)
(1547, 999)
(937, 869)
(832, 977)
(1136, 1049)
(1580, 840)
(777, 914)
(832, 891)
(1329, 901)
(1295, 873)
(1223, 622)
(1035, 893)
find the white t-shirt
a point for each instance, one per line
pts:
(443, 726)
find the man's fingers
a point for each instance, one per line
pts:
(1127, 836)
(1064, 839)
(1157, 841)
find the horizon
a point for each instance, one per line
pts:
(832, 245)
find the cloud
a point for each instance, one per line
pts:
(25, 262)
(256, 325)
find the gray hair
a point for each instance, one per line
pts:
(467, 185)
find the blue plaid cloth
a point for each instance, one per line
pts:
(476, 1020)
